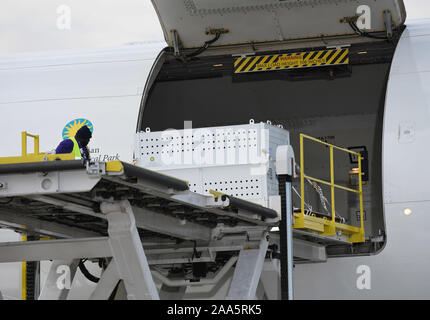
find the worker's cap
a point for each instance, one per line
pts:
(84, 133)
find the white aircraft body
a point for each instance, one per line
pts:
(102, 86)
(387, 103)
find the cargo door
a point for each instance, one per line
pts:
(233, 22)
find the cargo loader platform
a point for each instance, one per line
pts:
(127, 205)
(144, 224)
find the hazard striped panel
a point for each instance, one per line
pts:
(292, 61)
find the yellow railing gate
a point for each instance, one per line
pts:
(329, 227)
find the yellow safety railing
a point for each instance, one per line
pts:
(24, 136)
(37, 155)
(324, 226)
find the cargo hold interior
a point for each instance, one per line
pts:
(341, 105)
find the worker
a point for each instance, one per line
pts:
(77, 144)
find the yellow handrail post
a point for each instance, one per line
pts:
(330, 230)
(36, 144)
(360, 237)
(24, 143)
(24, 275)
(299, 222)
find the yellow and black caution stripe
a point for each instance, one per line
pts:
(292, 61)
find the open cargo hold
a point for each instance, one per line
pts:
(341, 102)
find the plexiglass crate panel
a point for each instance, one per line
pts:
(236, 160)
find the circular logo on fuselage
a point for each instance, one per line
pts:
(73, 126)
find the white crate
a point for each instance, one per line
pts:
(236, 160)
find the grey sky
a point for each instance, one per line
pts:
(31, 25)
